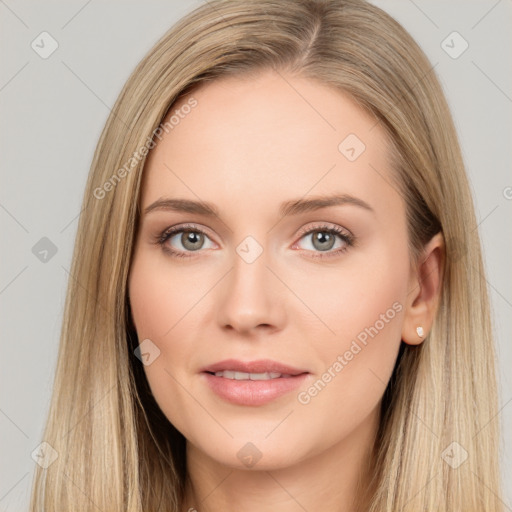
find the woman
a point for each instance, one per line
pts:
(279, 297)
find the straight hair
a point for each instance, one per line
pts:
(116, 450)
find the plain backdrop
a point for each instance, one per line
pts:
(53, 110)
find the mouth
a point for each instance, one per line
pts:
(252, 383)
(262, 367)
(233, 375)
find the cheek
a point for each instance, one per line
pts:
(159, 304)
(160, 296)
(363, 303)
(160, 301)
(367, 288)
(163, 302)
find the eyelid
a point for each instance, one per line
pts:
(324, 225)
(188, 226)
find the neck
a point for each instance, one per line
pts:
(335, 479)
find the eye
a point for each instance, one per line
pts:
(180, 240)
(323, 239)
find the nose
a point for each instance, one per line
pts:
(251, 298)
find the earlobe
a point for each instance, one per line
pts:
(424, 292)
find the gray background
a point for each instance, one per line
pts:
(52, 113)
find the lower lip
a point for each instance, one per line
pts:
(253, 392)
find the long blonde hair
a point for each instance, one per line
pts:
(116, 450)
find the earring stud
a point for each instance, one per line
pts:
(420, 331)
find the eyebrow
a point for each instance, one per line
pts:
(288, 208)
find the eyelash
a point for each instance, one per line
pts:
(347, 238)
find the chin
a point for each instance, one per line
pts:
(253, 453)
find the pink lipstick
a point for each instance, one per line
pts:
(252, 383)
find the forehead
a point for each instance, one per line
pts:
(253, 141)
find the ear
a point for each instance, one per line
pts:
(425, 285)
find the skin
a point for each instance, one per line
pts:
(248, 146)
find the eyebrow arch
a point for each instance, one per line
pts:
(183, 205)
(288, 208)
(298, 206)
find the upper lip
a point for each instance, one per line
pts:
(258, 366)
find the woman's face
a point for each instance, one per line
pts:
(304, 264)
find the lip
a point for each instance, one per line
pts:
(253, 392)
(258, 366)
